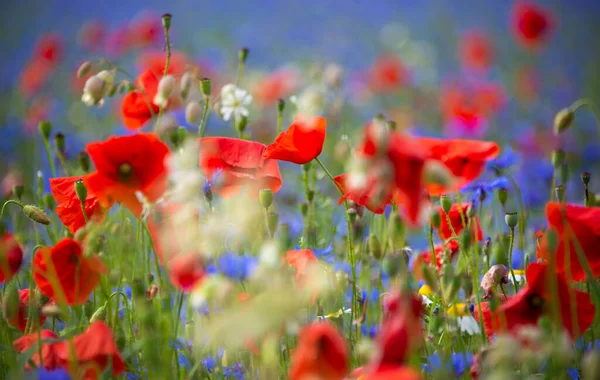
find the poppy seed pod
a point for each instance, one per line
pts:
(563, 120)
(192, 112)
(45, 128)
(511, 219)
(280, 105)
(36, 214)
(205, 86)
(80, 190)
(585, 178)
(243, 55)
(266, 197)
(84, 69)
(166, 21)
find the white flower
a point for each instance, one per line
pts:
(468, 324)
(336, 314)
(95, 87)
(425, 300)
(234, 102)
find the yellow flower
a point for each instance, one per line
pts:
(458, 309)
(425, 290)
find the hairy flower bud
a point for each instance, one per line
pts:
(84, 69)
(446, 203)
(80, 190)
(205, 86)
(563, 120)
(192, 112)
(166, 85)
(93, 91)
(36, 214)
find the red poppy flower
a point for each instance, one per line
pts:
(49, 47)
(127, 165)
(91, 35)
(19, 318)
(388, 372)
(138, 107)
(476, 51)
(464, 158)
(445, 232)
(363, 197)
(531, 24)
(65, 266)
(534, 301)
(236, 163)
(94, 349)
(395, 165)
(301, 143)
(186, 271)
(486, 312)
(34, 76)
(49, 359)
(301, 259)
(387, 74)
(11, 256)
(69, 207)
(573, 222)
(146, 29)
(275, 86)
(322, 353)
(425, 257)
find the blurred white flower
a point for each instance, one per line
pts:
(234, 102)
(185, 176)
(166, 85)
(336, 314)
(468, 324)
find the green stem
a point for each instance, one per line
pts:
(168, 61)
(203, 120)
(14, 201)
(49, 154)
(279, 122)
(522, 219)
(511, 244)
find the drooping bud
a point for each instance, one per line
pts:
(243, 55)
(84, 161)
(84, 69)
(558, 158)
(193, 112)
(18, 191)
(375, 247)
(511, 219)
(266, 197)
(36, 214)
(186, 84)
(272, 222)
(502, 196)
(280, 105)
(446, 203)
(49, 202)
(80, 190)
(93, 90)
(59, 142)
(166, 21)
(206, 87)
(166, 85)
(45, 128)
(99, 315)
(563, 120)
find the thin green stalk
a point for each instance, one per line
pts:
(167, 63)
(511, 236)
(279, 122)
(203, 120)
(14, 201)
(49, 154)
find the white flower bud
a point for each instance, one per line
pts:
(192, 112)
(186, 83)
(93, 91)
(108, 76)
(165, 88)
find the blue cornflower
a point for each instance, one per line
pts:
(460, 362)
(485, 189)
(369, 330)
(236, 267)
(505, 160)
(57, 374)
(235, 371)
(573, 373)
(209, 363)
(208, 184)
(325, 254)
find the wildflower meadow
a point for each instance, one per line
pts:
(401, 191)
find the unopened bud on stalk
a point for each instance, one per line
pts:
(558, 158)
(80, 190)
(99, 315)
(266, 197)
(435, 219)
(84, 161)
(585, 178)
(166, 21)
(511, 219)
(205, 86)
(446, 203)
(36, 214)
(563, 120)
(243, 55)
(561, 191)
(503, 196)
(241, 123)
(166, 85)
(84, 69)
(375, 247)
(18, 191)
(304, 208)
(59, 142)
(10, 303)
(280, 105)
(45, 128)
(193, 112)
(49, 202)
(186, 84)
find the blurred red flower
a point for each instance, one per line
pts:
(236, 163)
(155, 60)
(573, 223)
(364, 197)
(387, 74)
(34, 76)
(464, 158)
(186, 270)
(68, 206)
(533, 301)
(137, 106)
(127, 165)
(49, 359)
(94, 349)
(146, 30)
(91, 35)
(21, 314)
(445, 232)
(118, 42)
(38, 110)
(322, 353)
(274, 86)
(11, 256)
(425, 257)
(301, 143)
(476, 51)
(49, 48)
(531, 24)
(300, 260)
(65, 267)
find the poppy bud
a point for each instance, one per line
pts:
(186, 84)
(280, 105)
(59, 142)
(590, 365)
(304, 208)
(111, 90)
(88, 309)
(561, 191)
(49, 202)
(375, 247)
(166, 21)
(45, 128)
(99, 315)
(243, 55)
(429, 276)
(446, 203)
(563, 173)
(272, 222)
(585, 178)
(511, 219)
(551, 238)
(84, 69)
(392, 264)
(205, 87)
(18, 191)
(266, 197)
(192, 113)
(36, 214)
(502, 196)
(558, 157)
(84, 161)
(435, 219)
(310, 195)
(241, 123)
(10, 303)
(563, 120)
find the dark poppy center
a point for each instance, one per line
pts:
(535, 302)
(125, 171)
